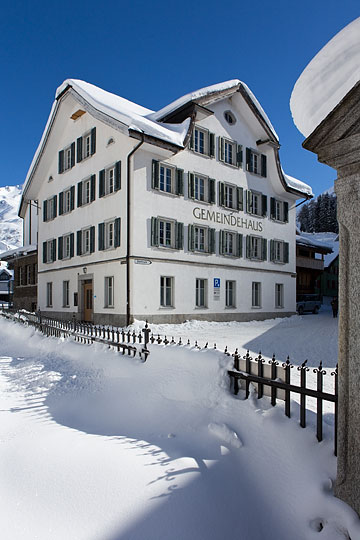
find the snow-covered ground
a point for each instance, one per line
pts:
(100, 446)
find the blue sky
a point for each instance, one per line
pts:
(154, 52)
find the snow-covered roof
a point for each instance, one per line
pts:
(312, 240)
(298, 185)
(22, 250)
(326, 80)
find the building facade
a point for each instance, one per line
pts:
(171, 215)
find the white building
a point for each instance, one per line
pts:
(166, 216)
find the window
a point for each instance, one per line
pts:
(201, 293)
(49, 208)
(230, 152)
(28, 274)
(67, 158)
(255, 162)
(167, 233)
(279, 295)
(110, 179)
(231, 196)
(230, 287)
(49, 299)
(85, 241)
(256, 248)
(201, 239)
(49, 251)
(256, 294)
(109, 291)
(109, 234)
(21, 275)
(167, 178)
(66, 201)
(86, 191)
(279, 251)
(66, 246)
(279, 210)
(202, 142)
(231, 243)
(166, 291)
(201, 188)
(66, 295)
(230, 118)
(256, 203)
(86, 145)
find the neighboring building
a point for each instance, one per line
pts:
(166, 216)
(23, 262)
(310, 255)
(330, 278)
(6, 285)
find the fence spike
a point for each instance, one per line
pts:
(206, 345)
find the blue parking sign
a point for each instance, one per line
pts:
(216, 283)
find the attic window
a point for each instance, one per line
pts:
(77, 114)
(110, 141)
(230, 118)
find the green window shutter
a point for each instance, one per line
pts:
(155, 172)
(45, 211)
(249, 205)
(263, 165)
(61, 161)
(221, 149)
(60, 248)
(71, 245)
(286, 252)
(239, 155)
(79, 150)
(92, 239)
(61, 203)
(264, 249)
(92, 187)
(93, 141)
(212, 190)
(101, 236)
(211, 144)
(179, 182)
(191, 185)
(79, 195)
(102, 183)
(286, 212)
(191, 237)
(44, 252)
(263, 205)
(53, 249)
(239, 247)
(221, 242)
(240, 198)
(248, 247)
(211, 244)
(248, 160)
(154, 232)
(72, 197)
(272, 250)
(191, 141)
(72, 154)
(117, 175)
(117, 232)
(179, 235)
(78, 243)
(272, 208)
(221, 193)
(55, 205)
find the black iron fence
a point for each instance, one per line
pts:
(131, 343)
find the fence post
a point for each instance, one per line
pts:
(320, 372)
(247, 359)
(274, 365)
(303, 369)
(236, 360)
(335, 374)
(287, 366)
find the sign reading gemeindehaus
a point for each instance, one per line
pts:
(227, 219)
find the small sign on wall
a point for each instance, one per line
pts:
(216, 288)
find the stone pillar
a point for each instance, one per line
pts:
(336, 141)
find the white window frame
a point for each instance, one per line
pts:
(230, 293)
(109, 234)
(66, 239)
(85, 241)
(256, 294)
(279, 251)
(200, 146)
(255, 162)
(166, 230)
(49, 252)
(229, 196)
(66, 293)
(201, 238)
(86, 191)
(256, 203)
(201, 289)
(110, 180)
(256, 248)
(201, 188)
(109, 292)
(51, 208)
(279, 295)
(67, 201)
(230, 147)
(279, 214)
(86, 145)
(67, 158)
(166, 178)
(166, 291)
(49, 294)
(229, 241)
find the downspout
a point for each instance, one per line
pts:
(128, 229)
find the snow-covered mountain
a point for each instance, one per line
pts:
(10, 223)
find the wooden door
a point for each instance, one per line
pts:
(88, 302)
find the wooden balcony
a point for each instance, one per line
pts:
(307, 262)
